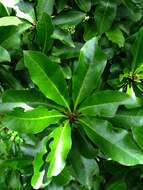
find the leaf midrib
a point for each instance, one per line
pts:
(123, 150)
(36, 118)
(57, 90)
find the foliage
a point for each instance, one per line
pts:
(71, 88)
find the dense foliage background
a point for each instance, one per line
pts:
(71, 83)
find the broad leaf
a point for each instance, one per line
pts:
(117, 185)
(59, 146)
(45, 6)
(115, 35)
(25, 11)
(70, 18)
(27, 98)
(134, 8)
(129, 118)
(104, 103)
(10, 20)
(44, 31)
(3, 10)
(137, 51)
(92, 62)
(63, 36)
(48, 76)
(132, 119)
(138, 135)
(60, 5)
(116, 143)
(4, 55)
(84, 169)
(84, 5)
(33, 121)
(105, 13)
(65, 52)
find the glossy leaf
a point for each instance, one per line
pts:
(45, 29)
(104, 103)
(63, 36)
(118, 185)
(84, 169)
(25, 99)
(116, 143)
(25, 11)
(3, 10)
(10, 20)
(60, 145)
(45, 6)
(33, 121)
(84, 5)
(116, 36)
(105, 13)
(70, 18)
(41, 71)
(137, 51)
(60, 5)
(129, 118)
(4, 55)
(92, 62)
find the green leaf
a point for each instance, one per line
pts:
(138, 135)
(70, 18)
(26, 99)
(6, 32)
(3, 11)
(84, 169)
(45, 6)
(85, 147)
(7, 77)
(64, 177)
(129, 118)
(33, 121)
(65, 52)
(59, 146)
(25, 11)
(105, 13)
(116, 143)
(84, 5)
(118, 185)
(9, 21)
(115, 35)
(41, 70)
(104, 103)
(60, 5)
(92, 62)
(137, 51)
(134, 8)
(63, 36)
(45, 29)
(4, 55)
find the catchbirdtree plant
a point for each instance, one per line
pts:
(71, 95)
